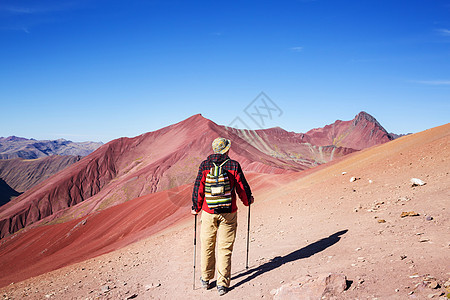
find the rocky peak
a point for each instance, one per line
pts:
(12, 138)
(365, 117)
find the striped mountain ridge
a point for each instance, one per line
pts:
(127, 168)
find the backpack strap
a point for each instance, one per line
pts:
(217, 170)
(224, 162)
(220, 167)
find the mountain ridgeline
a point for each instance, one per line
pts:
(128, 168)
(18, 147)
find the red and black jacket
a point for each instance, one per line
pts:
(238, 183)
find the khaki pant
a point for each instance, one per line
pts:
(223, 228)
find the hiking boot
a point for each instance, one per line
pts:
(222, 290)
(205, 284)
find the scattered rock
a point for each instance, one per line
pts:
(447, 284)
(434, 285)
(132, 296)
(105, 288)
(343, 173)
(424, 240)
(409, 214)
(429, 218)
(356, 209)
(152, 286)
(403, 199)
(308, 287)
(354, 179)
(370, 181)
(381, 221)
(417, 182)
(402, 257)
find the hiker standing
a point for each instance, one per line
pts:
(219, 179)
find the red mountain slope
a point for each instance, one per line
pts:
(128, 168)
(47, 248)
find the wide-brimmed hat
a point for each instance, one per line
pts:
(221, 145)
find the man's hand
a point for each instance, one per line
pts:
(194, 212)
(251, 200)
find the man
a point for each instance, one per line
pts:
(219, 217)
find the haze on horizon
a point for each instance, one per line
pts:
(98, 70)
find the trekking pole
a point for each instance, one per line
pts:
(248, 236)
(195, 248)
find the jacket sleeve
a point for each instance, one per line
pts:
(242, 187)
(198, 195)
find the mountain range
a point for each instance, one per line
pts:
(18, 147)
(128, 168)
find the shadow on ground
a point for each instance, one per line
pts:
(278, 261)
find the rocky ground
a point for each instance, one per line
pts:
(359, 219)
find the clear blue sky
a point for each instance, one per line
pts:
(98, 70)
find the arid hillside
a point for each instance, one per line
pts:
(22, 174)
(359, 217)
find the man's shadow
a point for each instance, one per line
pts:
(278, 261)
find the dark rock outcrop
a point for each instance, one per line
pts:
(6, 192)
